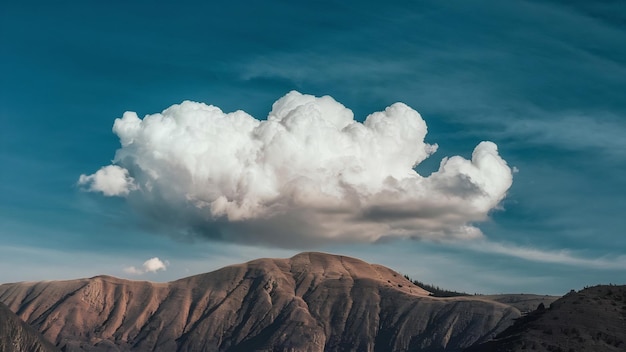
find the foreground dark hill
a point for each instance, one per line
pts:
(593, 319)
(310, 302)
(17, 336)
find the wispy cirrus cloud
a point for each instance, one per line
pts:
(570, 131)
(562, 256)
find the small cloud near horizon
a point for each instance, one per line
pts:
(151, 265)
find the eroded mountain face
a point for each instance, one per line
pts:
(310, 302)
(17, 336)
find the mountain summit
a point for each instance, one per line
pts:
(310, 302)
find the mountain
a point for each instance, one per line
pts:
(593, 319)
(310, 302)
(17, 336)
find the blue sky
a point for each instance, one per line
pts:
(545, 81)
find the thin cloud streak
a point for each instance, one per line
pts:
(573, 132)
(563, 257)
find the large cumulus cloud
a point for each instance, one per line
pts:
(308, 174)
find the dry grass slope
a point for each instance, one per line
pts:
(593, 319)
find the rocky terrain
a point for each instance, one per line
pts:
(593, 319)
(17, 336)
(310, 302)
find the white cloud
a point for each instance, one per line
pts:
(151, 265)
(563, 256)
(111, 180)
(308, 174)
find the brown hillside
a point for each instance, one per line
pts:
(310, 302)
(17, 336)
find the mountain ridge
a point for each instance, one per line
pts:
(309, 302)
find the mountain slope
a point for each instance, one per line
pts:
(17, 336)
(310, 302)
(593, 319)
